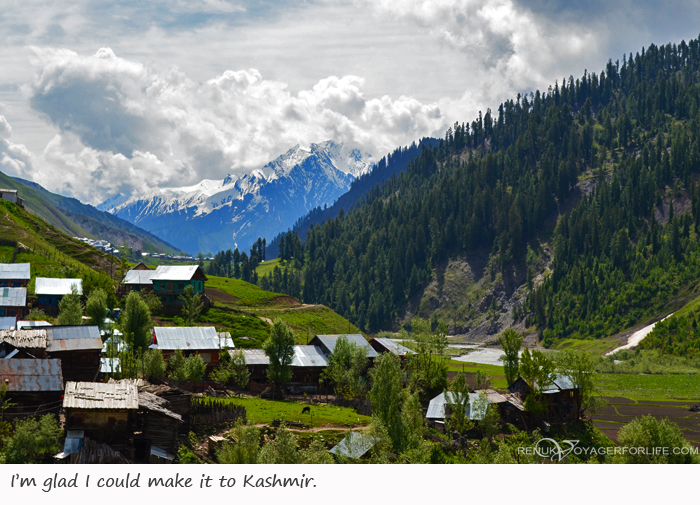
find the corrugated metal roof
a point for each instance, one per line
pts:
(98, 395)
(8, 323)
(32, 324)
(354, 445)
(309, 355)
(329, 342)
(492, 395)
(32, 375)
(13, 297)
(11, 271)
(50, 286)
(174, 272)
(190, 338)
(74, 344)
(69, 332)
(393, 347)
(563, 382)
(138, 277)
(25, 339)
(475, 410)
(110, 365)
(254, 357)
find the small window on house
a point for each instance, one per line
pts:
(206, 357)
(180, 285)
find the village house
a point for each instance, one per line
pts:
(34, 386)
(308, 363)
(101, 410)
(29, 344)
(10, 195)
(13, 302)
(327, 343)
(169, 282)
(440, 409)
(78, 347)
(561, 398)
(137, 279)
(383, 345)
(202, 340)
(28, 325)
(14, 275)
(50, 291)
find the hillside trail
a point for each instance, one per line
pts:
(23, 233)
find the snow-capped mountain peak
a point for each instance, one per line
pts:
(214, 215)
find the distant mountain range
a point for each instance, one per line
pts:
(80, 220)
(218, 215)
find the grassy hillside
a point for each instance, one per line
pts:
(77, 219)
(247, 311)
(45, 246)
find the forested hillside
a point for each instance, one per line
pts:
(615, 154)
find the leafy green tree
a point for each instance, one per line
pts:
(428, 367)
(33, 441)
(5, 402)
(481, 380)
(655, 441)
(70, 309)
(245, 447)
(37, 314)
(154, 364)
(239, 371)
(316, 453)
(579, 366)
(280, 349)
(177, 369)
(385, 396)
(511, 342)
(457, 404)
(136, 322)
(191, 305)
(538, 371)
(92, 281)
(282, 450)
(96, 308)
(489, 426)
(346, 368)
(195, 368)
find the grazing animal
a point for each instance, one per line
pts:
(306, 410)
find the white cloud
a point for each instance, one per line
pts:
(125, 126)
(15, 159)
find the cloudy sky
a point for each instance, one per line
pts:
(100, 98)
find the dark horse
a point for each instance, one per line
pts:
(306, 410)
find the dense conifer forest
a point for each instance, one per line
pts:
(615, 154)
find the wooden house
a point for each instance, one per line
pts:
(561, 398)
(308, 363)
(35, 386)
(327, 343)
(14, 275)
(29, 344)
(79, 348)
(13, 302)
(170, 281)
(103, 411)
(202, 340)
(50, 291)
